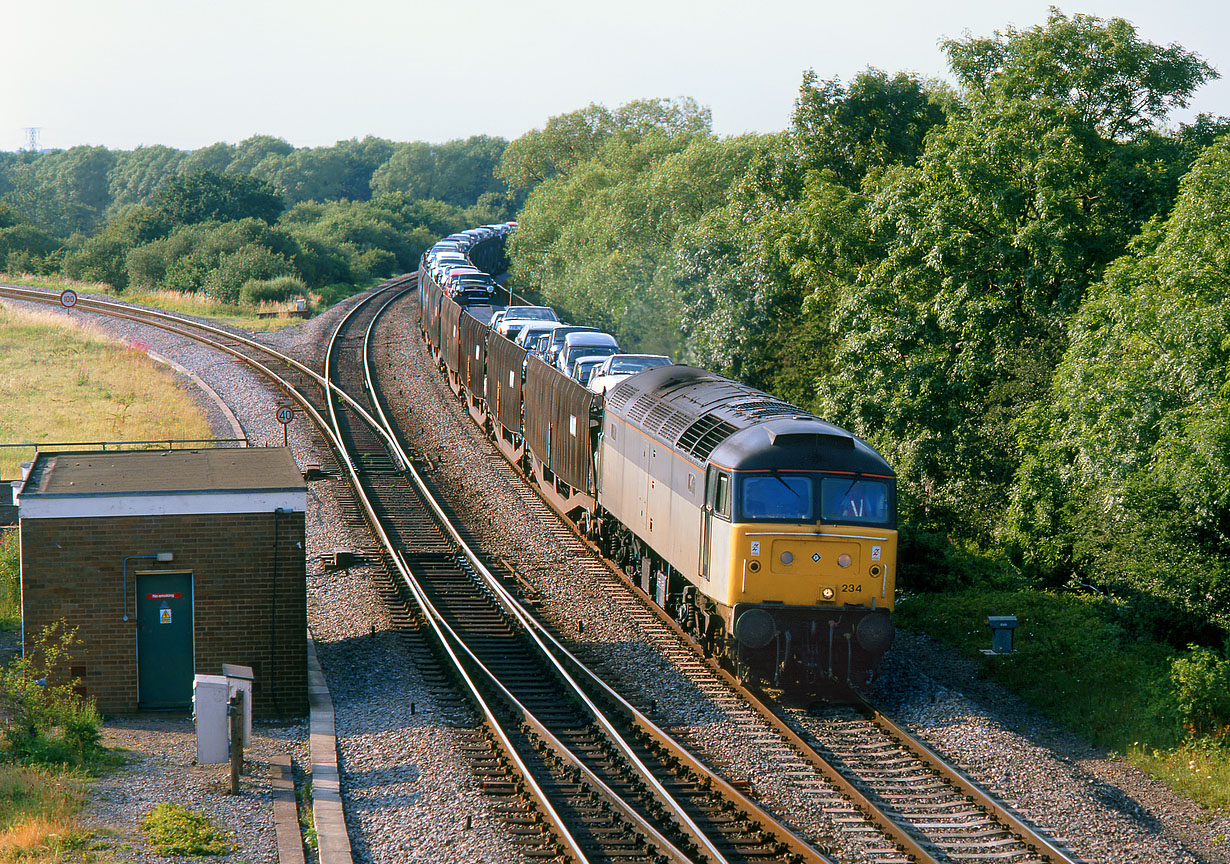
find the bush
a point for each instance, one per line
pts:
(935, 561)
(10, 579)
(47, 722)
(247, 263)
(279, 290)
(175, 830)
(1201, 682)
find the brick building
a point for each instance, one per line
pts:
(170, 563)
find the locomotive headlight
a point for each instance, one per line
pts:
(843, 560)
(787, 557)
(828, 593)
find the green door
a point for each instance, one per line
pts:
(164, 640)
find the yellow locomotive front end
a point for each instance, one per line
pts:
(811, 560)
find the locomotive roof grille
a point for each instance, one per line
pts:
(811, 439)
(641, 407)
(658, 415)
(704, 435)
(762, 409)
(618, 397)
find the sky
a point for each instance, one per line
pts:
(130, 73)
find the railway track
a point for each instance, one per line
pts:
(612, 786)
(610, 783)
(877, 784)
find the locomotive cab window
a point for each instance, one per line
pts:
(778, 497)
(854, 499)
(717, 492)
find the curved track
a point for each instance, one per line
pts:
(610, 784)
(613, 786)
(916, 806)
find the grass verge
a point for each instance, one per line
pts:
(235, 314)
(1078, 664)
(66, 381)
(38, 814)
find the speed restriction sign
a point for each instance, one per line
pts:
(285, 414)
(68, 298)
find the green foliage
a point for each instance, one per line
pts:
(104, 257)
(567, 140)
(46, 721)
(62, 191)
(597, 240)
(217, 258)
(1201, 682)
(876, 122)
(10, 579)
(166, 210)
(457, 172)
(341, 172)
(1074, 660)
(1127, 474)
(173, 829)
(138, 175)
(208, 196)
(256, 291)
(1117, 83)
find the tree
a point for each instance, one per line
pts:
(325, 173)
(250, 152)
(457, 172)
(137, 175)
(762, 276)
(215, 157)
(63, 191)
(597, 240)
(208, 196)
(985, 249)
(1126, 481)
(875, 122)
(1117, 83)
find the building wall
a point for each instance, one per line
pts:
(72, 569)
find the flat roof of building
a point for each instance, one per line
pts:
(158, 472)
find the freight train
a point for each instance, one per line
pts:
(767, 533)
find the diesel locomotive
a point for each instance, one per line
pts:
(767, 533)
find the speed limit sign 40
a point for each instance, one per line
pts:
(285, 414)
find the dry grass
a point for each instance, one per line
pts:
(64, 381)
(55, 282)
(38, 810)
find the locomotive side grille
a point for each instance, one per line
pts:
(701, 437)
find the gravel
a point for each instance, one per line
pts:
(407, 788)
(1101, 807)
